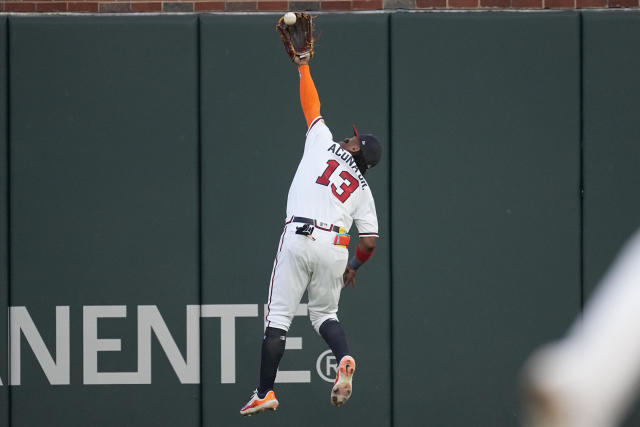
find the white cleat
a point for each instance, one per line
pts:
(342, 387)
(256, 405)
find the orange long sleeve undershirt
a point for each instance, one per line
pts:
(308, 95)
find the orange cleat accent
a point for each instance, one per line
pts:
(343, 386)
(255, 404)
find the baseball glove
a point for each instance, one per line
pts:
(298, 38)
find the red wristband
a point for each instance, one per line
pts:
(363, 256)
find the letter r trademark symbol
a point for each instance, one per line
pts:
(326, 366)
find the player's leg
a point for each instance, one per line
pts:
(335, 337)
(264, 398)
(333, 334)
(324, 295)
(273, 345)
(287, 284)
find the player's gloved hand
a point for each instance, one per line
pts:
(349, 276)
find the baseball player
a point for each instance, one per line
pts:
(327, 194)
(591, 377)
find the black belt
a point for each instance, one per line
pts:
(313, 222)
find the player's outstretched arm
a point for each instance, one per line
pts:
(365, 248)
(308, 94)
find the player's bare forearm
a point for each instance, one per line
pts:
(367, 244)
(364, 250)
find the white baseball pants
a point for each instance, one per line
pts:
(311, 263)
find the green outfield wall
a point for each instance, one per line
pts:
(611, 138)
(104, 212)
(611, 143)
(4, 269)
(486, 176)
(145, 163)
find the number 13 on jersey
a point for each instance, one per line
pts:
(346, 176)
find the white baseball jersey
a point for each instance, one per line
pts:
(328, 188)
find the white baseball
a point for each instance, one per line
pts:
(289, 18)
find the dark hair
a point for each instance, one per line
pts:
(358, 157)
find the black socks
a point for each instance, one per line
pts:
(272, 351)
(332, 332)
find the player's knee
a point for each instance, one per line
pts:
(279, 321)
(318, 319)
(274, 332)
(330, 327)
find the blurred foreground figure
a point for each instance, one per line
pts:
(590, 378)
